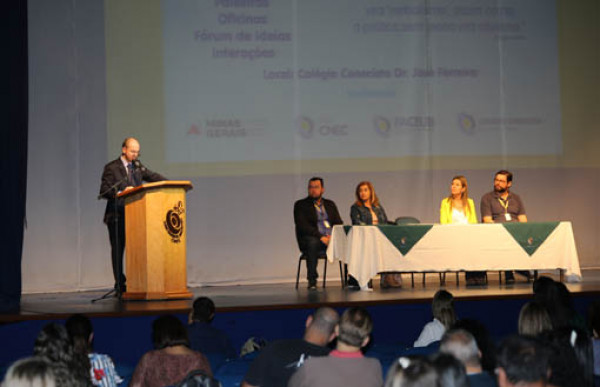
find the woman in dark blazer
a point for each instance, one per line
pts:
(367, 211)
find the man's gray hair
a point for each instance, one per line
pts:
(324, 321)
(462, 345)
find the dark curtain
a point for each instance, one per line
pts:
(14, 105)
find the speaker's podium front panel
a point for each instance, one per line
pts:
(155, 228)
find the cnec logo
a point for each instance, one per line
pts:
(307, 128)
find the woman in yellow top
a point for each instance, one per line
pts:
(458, 207)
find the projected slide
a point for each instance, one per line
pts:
(286, 80)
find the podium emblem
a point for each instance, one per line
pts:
(174, 222)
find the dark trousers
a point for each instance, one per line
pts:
(312, 247)
(116, 234)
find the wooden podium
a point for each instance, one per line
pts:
(155, 231)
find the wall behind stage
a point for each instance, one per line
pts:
(240, 228)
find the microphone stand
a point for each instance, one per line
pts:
(117, 290)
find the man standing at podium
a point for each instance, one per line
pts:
(314, 217)
(120, 175)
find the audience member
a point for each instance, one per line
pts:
(205, 338)
(443, 317)
(30, 372)
(101, 367)
(345, 366)
(462, 345)
(557, 299)
(54, 345)
(412, 372)
(277, 362)
(484, 341)
(523, 362)
(450, 371)
(594, 325)
(571, 362)
(172, 359)
(534, 319)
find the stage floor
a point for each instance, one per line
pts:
(281, 296)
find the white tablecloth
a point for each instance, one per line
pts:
(367, 251)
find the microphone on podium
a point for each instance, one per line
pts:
(137, 164)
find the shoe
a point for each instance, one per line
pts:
(472, 282)
(312, 285)
(525, 273)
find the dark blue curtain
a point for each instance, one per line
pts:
(13, 169)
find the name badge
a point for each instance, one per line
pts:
(326, 223)
(507, 217)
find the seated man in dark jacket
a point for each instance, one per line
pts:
(314, 217)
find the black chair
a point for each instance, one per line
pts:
(322, 256)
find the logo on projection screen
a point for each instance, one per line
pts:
(382, 126)
(467, 123)
(306, 127)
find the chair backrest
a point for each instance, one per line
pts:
(407, 220)
(198, 378)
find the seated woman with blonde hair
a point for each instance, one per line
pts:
(458, 208)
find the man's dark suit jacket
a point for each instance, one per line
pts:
(305, 217)
(114, 172)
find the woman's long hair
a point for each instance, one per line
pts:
(443, 308)
(374, 199)
(464, 197)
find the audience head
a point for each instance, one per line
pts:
(30, 372)
(355, 327)
(53, 343)
(365, 193)
(412, 372)
(81, 332)
(557, 299)
(522, 360)
(571, 357)
(594, 318)
(486, 345)
(462, 345)
(450, 371)
(320, 326)
(169, 331)
(203, 310)
(443, 308)
(534, 319)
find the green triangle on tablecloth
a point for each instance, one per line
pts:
(347, 229)
(404, 237)
(530, 235)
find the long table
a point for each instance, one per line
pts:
(369, 250)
